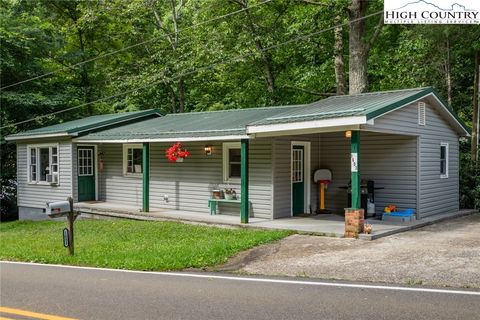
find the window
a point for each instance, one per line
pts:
(231, 162)
(444, 160)
(297, 165)
(132, 159)
(85, 162)
(43, 164)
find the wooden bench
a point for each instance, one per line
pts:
(213, 204)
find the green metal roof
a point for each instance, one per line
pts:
(371, 105)
(234, 123)
(190, 125)
(73, 128)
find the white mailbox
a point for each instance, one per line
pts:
(57, 209)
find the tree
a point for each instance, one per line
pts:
(475, 116)
(265, 59)
(177, 87)
(359, 46)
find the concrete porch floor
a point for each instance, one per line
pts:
(326, 225)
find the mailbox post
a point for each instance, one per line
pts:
(71, 219)
(60, 209)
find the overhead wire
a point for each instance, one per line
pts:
(135, 45)
(196, 70)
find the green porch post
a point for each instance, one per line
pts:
(146, 177)
(355, 169)
(244, 202)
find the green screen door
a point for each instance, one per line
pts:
(298, 181)
(86, 173)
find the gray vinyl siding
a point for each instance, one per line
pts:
(389, 160)
(74, 173)
(282, 173)
(36, 195)
(113, 185)
(187, 185)
(436, 195)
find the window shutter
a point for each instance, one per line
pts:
(421, 113)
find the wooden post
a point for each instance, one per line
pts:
(322, 196)
(244, 202)
(71, 219)
(355, 169)
(146, 177)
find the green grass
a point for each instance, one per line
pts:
(126, 244)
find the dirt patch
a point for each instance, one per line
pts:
(444, 254)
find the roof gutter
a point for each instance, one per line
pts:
(39, 136)
(308, 125)
(183, 139)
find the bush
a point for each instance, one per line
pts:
(469, 182)
(8, 183)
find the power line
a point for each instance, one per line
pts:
(207, 67)
(135, 45)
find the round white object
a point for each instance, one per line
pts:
(322, 174)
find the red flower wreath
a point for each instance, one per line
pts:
(177, 150)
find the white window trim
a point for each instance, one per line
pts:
(226, 165)
(445, 144)
(37, 157)
(92, 165)
(125, 158)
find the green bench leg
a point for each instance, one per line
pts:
(213, 207)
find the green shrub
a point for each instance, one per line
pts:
(469, 182)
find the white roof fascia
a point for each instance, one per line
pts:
(39, 136)
(183, 139)
(315, 124)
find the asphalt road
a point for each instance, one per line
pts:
(107, 294)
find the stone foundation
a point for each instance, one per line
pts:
(354, 220)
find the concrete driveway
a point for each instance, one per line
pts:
(444, 254)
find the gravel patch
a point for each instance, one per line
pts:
(444, 254)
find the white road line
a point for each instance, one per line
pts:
(265, 280)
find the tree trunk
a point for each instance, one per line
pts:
(85, 82)
(338, 54)
(448, 74)
(177, 95)
(181, 95)
(264, 56)
(359, 47)
(173, 100)
(358, 81)
(475, 124)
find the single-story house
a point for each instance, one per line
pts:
(406, 141)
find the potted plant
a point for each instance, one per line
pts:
(230, 194)
(216, 194)
(177, 153)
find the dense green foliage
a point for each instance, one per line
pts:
(127, 244)
(185, 71)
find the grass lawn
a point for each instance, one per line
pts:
(127, 244)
